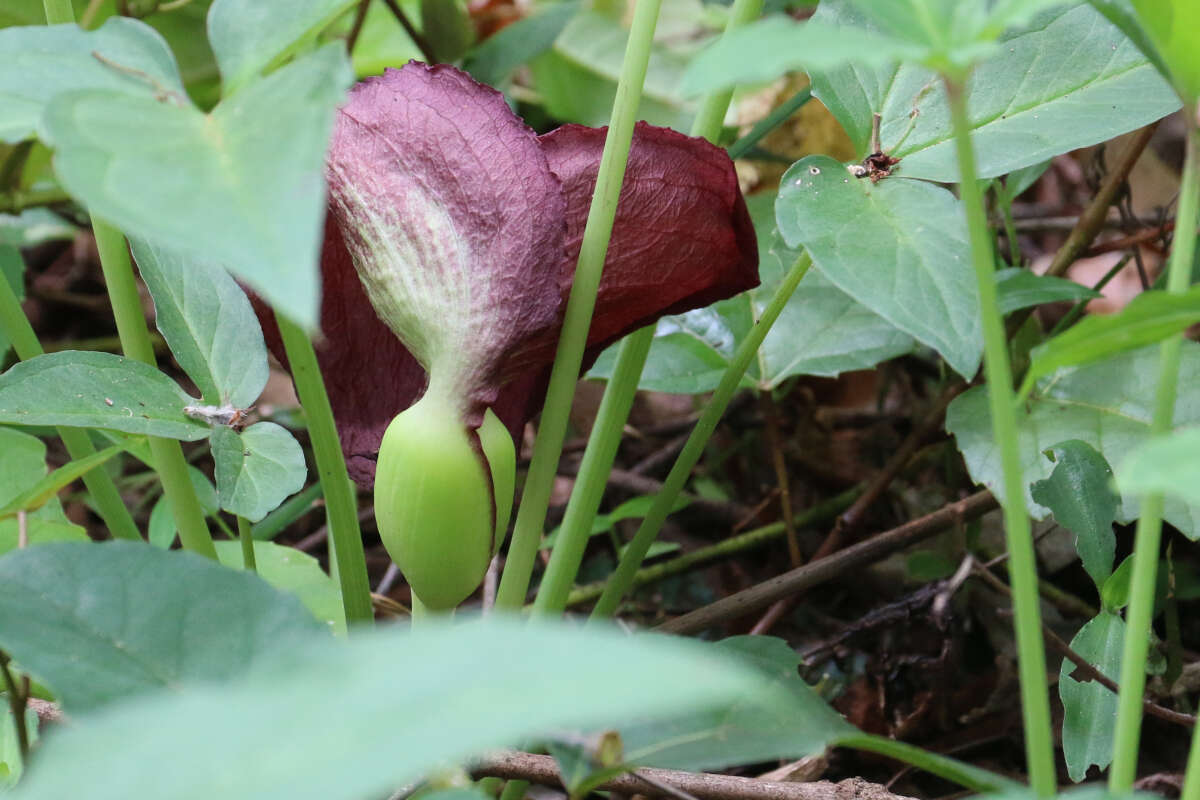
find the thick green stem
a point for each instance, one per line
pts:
(246, 537)
(110, 506)
(135, 341)
(1149, 528)
(1031, 657)
(535, 499)
(618, 399)
(341, 505)
(623, 577)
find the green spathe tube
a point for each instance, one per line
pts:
(433, 500)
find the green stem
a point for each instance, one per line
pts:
(726, 547)
(974, 778)
(1191, 778)
(776, 118)
(592, 479)
(622, 578)
(535, 499)
(58, 12)
(135, 341)
(1031, 657)
(246, 537)
(16, 328)
(1149, 528)
(618, 399)
(341, 505)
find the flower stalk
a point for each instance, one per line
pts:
(341, 506)
(1148, 536)
(535, 499)
(1031, 657)
(618, 398)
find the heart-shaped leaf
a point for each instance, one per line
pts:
(257, 469)
(898, 246)
(241, 187)
(1167, 464)
(41, 62)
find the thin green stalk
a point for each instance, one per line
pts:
(1191, 778)
(341, 505)
(135, 341)
(1149, 528)
(593, 474)
(1031, 657)
(58, 11)
(773, 120)
(972, 777)
(726, 547)
(618, 399)
(623, 577)
(246, 537)
(535, 499)
(16, 328)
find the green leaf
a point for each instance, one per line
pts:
(821, 331)
(1149, 318)
(11, 764)
(257, 469)
(800, 724)
(12, 271)
(1019, 288)
(248, 37)
(1167, 464)
(1170, 25)
(1069, 79)
(22, 466)
(42, 62)
(1114, 595)
(1104, 404)
(48, 487)
(99, 622)
(347, 719)
(899, 247)
(96, 390)
(770, 47)
(1089, 708)
(497, 56)
(1078, 492)
(208, 323)
(241, 187)
(291, 570)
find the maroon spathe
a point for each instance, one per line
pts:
(682, 239)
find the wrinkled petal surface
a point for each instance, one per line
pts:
(682, 239)
(453, 219)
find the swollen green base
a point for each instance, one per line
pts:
(433, 504)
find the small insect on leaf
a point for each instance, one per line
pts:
(227, 415)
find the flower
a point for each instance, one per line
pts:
(451, 242)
